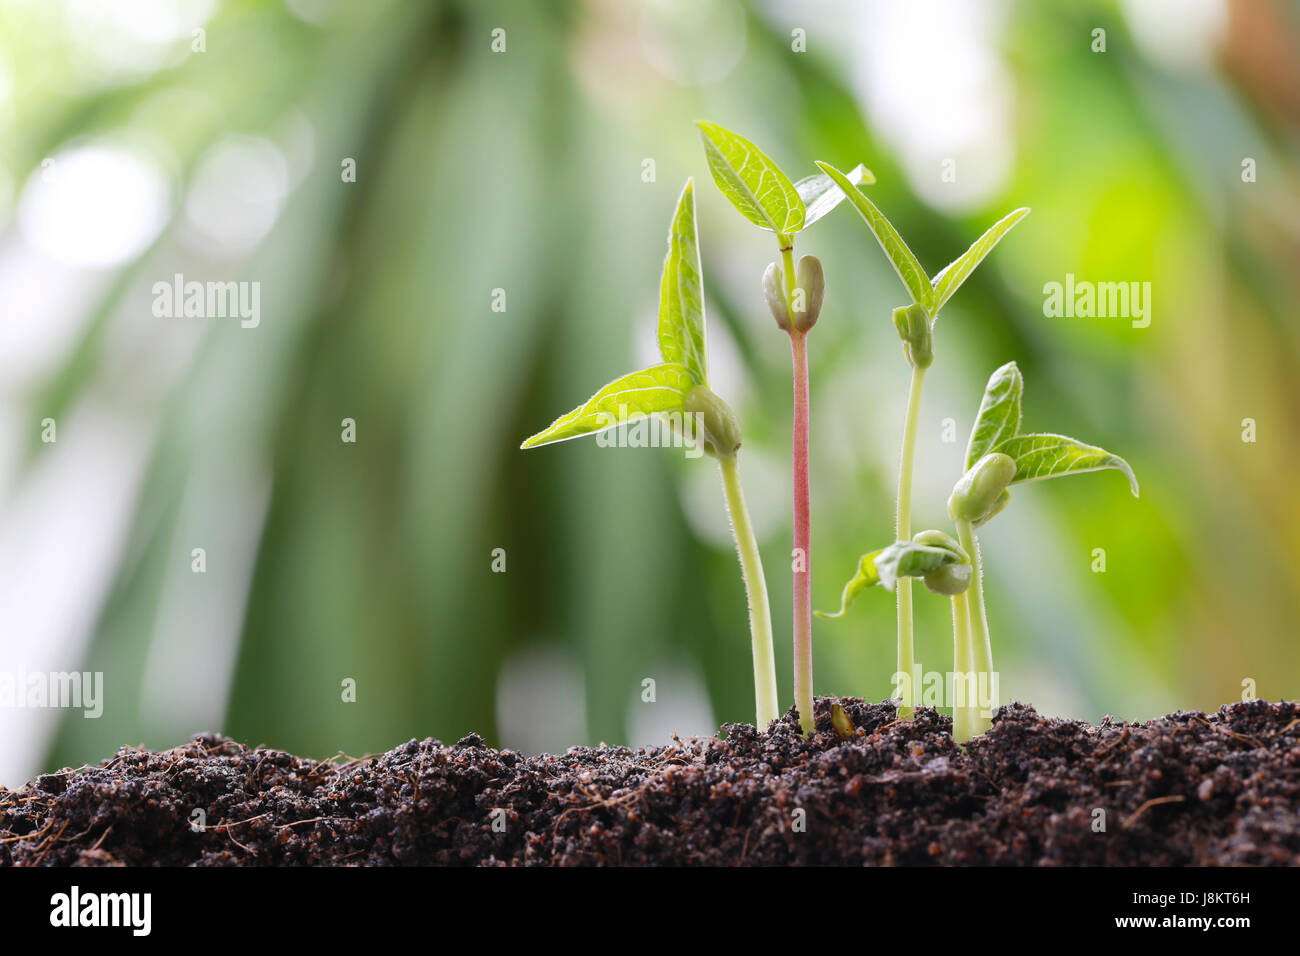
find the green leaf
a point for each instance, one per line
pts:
(660, 388)
(1052, 456)
(999, 414)
(681, 293)
(865, 578)
(753, 183)
(951, 276)
(896, 250)
(820, 194)
(886, 566)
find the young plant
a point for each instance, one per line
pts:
(678, 391)
(941, 563)
(997, 458)
(915, 325)
(764, 195)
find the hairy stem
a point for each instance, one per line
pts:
(760, 613)
(802, 563)
(903, 532)
(981, 648)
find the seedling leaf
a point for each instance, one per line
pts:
(950, 277)
(999, 415)
(886, 566)
(1052, 456)
(660, 388)
(753, 183)
(896, 250)
(681, 293)
(865, 578)
(820, 194)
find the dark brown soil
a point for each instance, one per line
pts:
(1184, 789)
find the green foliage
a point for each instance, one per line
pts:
(820, 194)
(681, 293)
(1036, 457)
(1042, 456)
(754, 184)
(680, 385)
(660, 388)
(949, 279)
(999, 413)
(896, 250)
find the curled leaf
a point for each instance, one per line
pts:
(1038, 457)
(865, 578)
(660, 388)
(999, 416)
(900, 256)
(754, 184)
(681, 292)
(949, 279)
(820, 195)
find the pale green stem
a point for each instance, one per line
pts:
(786, 244)
(965, 710)
(760, 613)
(903, 532)
(982, 649)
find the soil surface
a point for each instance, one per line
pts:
(1189, 788)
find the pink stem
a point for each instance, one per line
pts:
(803, 693)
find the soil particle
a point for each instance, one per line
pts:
(1187, 789)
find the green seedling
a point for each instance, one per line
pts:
(678, 392)
(915, 325)
(764, 195)
(999, 457)
(934, 557)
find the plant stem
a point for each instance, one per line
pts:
(903, 532)
(981, 649)
(802, 557)
(760, 613)
(803, 686)
(965, 711)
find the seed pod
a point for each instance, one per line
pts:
(1003, 500)
(951, 578)
(811, 281)
(937, 539)
(721, 428)
(913, 325)
(774, 292)
(840, 721)
(976, 495)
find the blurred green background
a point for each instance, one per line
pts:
(128, 156)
